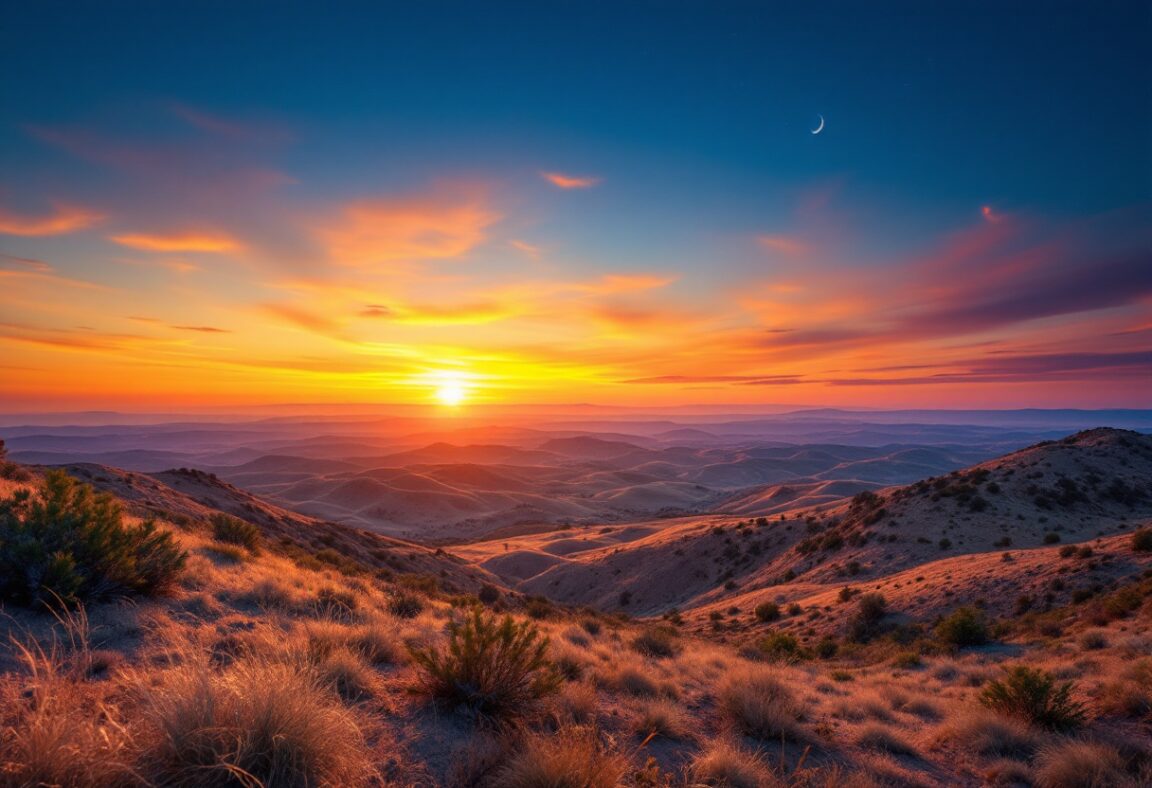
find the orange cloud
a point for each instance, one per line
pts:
(569, 181)
(63, 219)
(370, 232)
(990, 214)
(303, 318)
(188, 241)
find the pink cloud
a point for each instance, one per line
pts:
(563, 181)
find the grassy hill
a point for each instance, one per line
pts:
(287, 651)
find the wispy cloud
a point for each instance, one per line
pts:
(209, 241)
(373, 232)
(64, 218)
(563, 181)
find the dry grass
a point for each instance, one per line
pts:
(758, 702)
(991, 735)
(266, 721)
(570, 758)
(1071, 764)
(875, 736)
(724, 763)
(58, 734)
(663, 718)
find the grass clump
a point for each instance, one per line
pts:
(259, 723)
(759, 704)
(233, 530)
(67, 542)
(494, 668)
(572, 758)
(659, 642)
(1036, 697)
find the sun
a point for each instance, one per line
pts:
(451, 393)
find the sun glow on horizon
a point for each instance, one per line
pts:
(451, 390)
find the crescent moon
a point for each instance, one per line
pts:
(819, 128)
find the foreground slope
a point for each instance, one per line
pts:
(286, 665)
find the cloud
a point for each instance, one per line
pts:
(1022, 368)
(784, 244)
(63, 219)
(303, 318)
(212, 242)
(990, 214)
(203, 329)
(27, 263)
(224, 127)
(531, 250)
(563, 181)
(371, 232)
(376, 310)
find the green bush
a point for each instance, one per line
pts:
(870, 611)
(966, 626)
(235, 531)
(492, 667)
(1142, 540)
(68, 542)
(781, 646)
(1036, 697)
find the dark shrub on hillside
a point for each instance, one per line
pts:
(1036, 697)
(233, 530)
(1142, 540)
(781, 646)
(68, 542)
(492, 667)
(870, 611)
(767, 611)
(488, 594)
(1051, 538)
(966, 626)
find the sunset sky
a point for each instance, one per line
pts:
(235, 203)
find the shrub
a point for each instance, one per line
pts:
(870, 611)
(1067, 551)
(966, 626)
(233, 530)
(1142, 540)
(493, 668)
(488, 594)
(68, 542)
(767, 611)
(945, 543)
(572, 758)
(1051, 538)
(758, 703)
(780, 646)
(1036, 697)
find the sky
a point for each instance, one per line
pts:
(218, 203)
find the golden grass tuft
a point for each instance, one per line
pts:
(260, 720)
(988, 734)
(1073, 763)
(757, 702)
(723, 763)
(570, 758)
